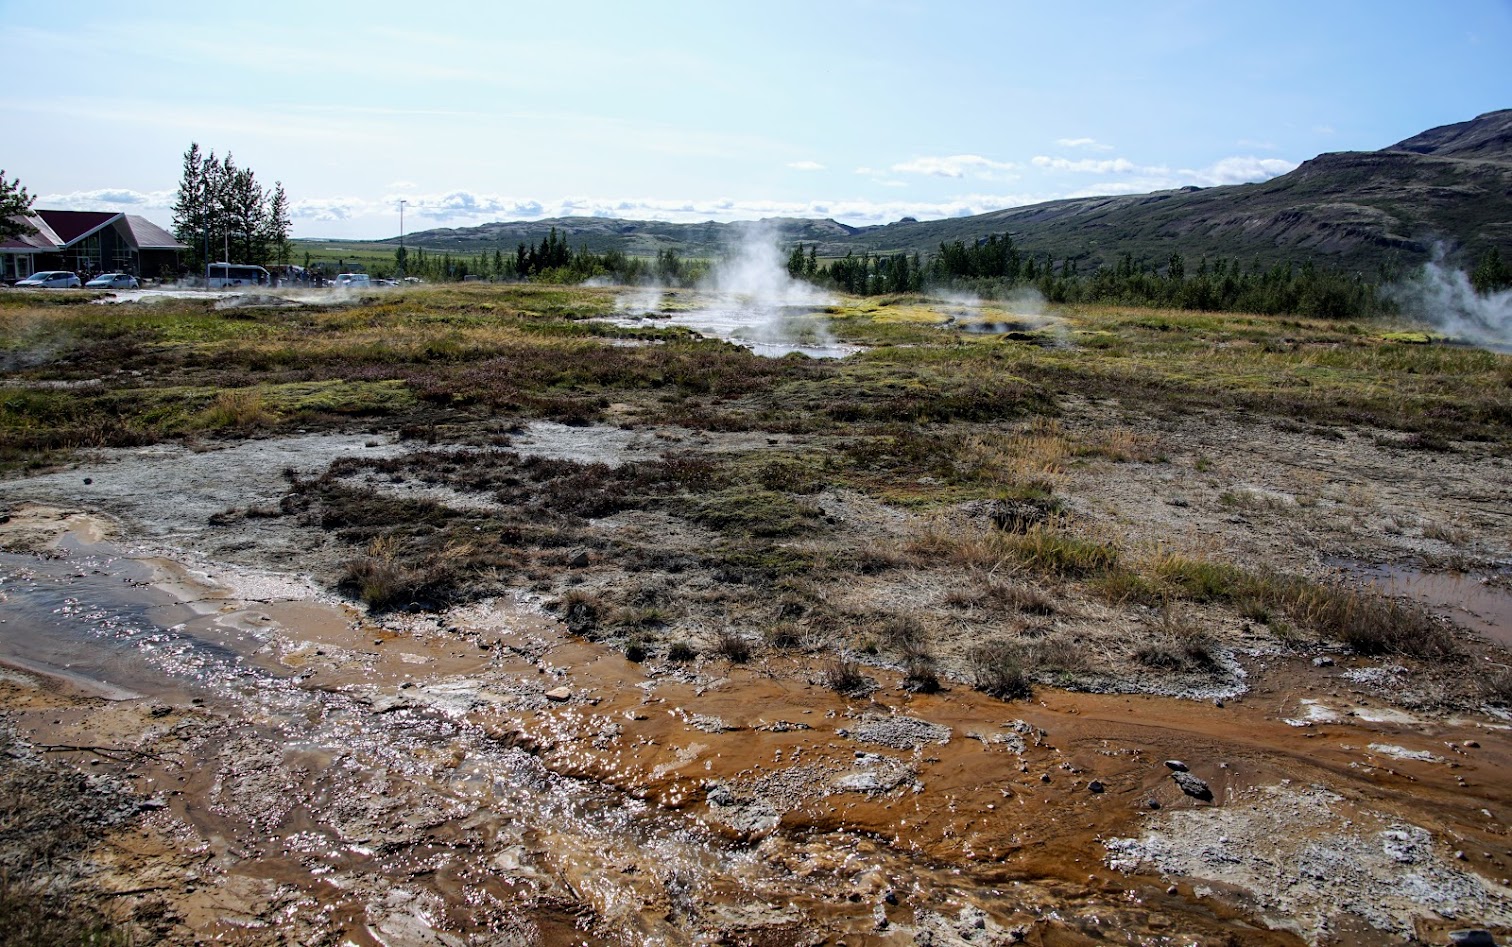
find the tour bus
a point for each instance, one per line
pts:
(236, 274)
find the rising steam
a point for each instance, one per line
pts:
(750, 299)
(757, 274)
(1443, 298)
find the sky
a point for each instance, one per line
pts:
(864, 111)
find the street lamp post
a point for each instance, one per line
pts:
(401, 240)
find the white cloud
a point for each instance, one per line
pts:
(1238, 170)
(954, 166)
(364, 217)
(1232, 170)
(1091, 143)
(114, 199)
(1090, 165)
(805, 166)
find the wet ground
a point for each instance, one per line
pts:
(772, 329)
(480, 775)
(316, 775)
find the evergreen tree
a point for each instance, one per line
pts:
(277, 227)
(15, 203)
(1491, 273)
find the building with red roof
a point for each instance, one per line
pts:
(88, 242)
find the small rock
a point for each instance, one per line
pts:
(1472, 744)
(720, 795)
(1192, 786)
(559, 694)
(88, 481)
(891, 896)
(1152, 803)
(1472, 938)
(1173, 890)
(1094, 786)
(1177, 765)
(1217, 703)
(1044, 777)
(1323, 662)
(578, 559)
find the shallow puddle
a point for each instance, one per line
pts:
(1471, 600)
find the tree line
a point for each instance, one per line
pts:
(996, 266)
(552, 260)
(221, 210)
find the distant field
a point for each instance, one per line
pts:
(374, 257)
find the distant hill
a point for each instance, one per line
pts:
(635, 237)
(1358, 210)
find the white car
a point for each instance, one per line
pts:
(353, 281)
(52, 279)
(113, 281)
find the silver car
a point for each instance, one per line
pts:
(52, 279)
(113, 281)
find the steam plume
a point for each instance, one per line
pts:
(1443, 298)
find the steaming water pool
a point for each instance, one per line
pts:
(768, 330)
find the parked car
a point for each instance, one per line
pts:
(113, 281)
(352, 281)
(52, 279)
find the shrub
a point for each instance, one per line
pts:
(581, 611)
(919, 675)
(843, 676)
(1179, 645)
(1059, 654)
(784, 636)
(902, 635)
(1198, 579)
(681, 652)
(1496, 685)
(1123, 587)
(733, 646)
(380, 579)
(1056, 553)
(1372, 624)
(997, 669)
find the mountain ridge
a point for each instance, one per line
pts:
(1360, 210)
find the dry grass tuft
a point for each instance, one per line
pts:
(1179, 644)
(997, 668)
(843, 675)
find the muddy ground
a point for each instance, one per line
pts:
(272, 762)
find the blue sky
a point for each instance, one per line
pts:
(861, 110)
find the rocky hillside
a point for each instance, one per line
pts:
(1360, 210)
(1355, 209)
